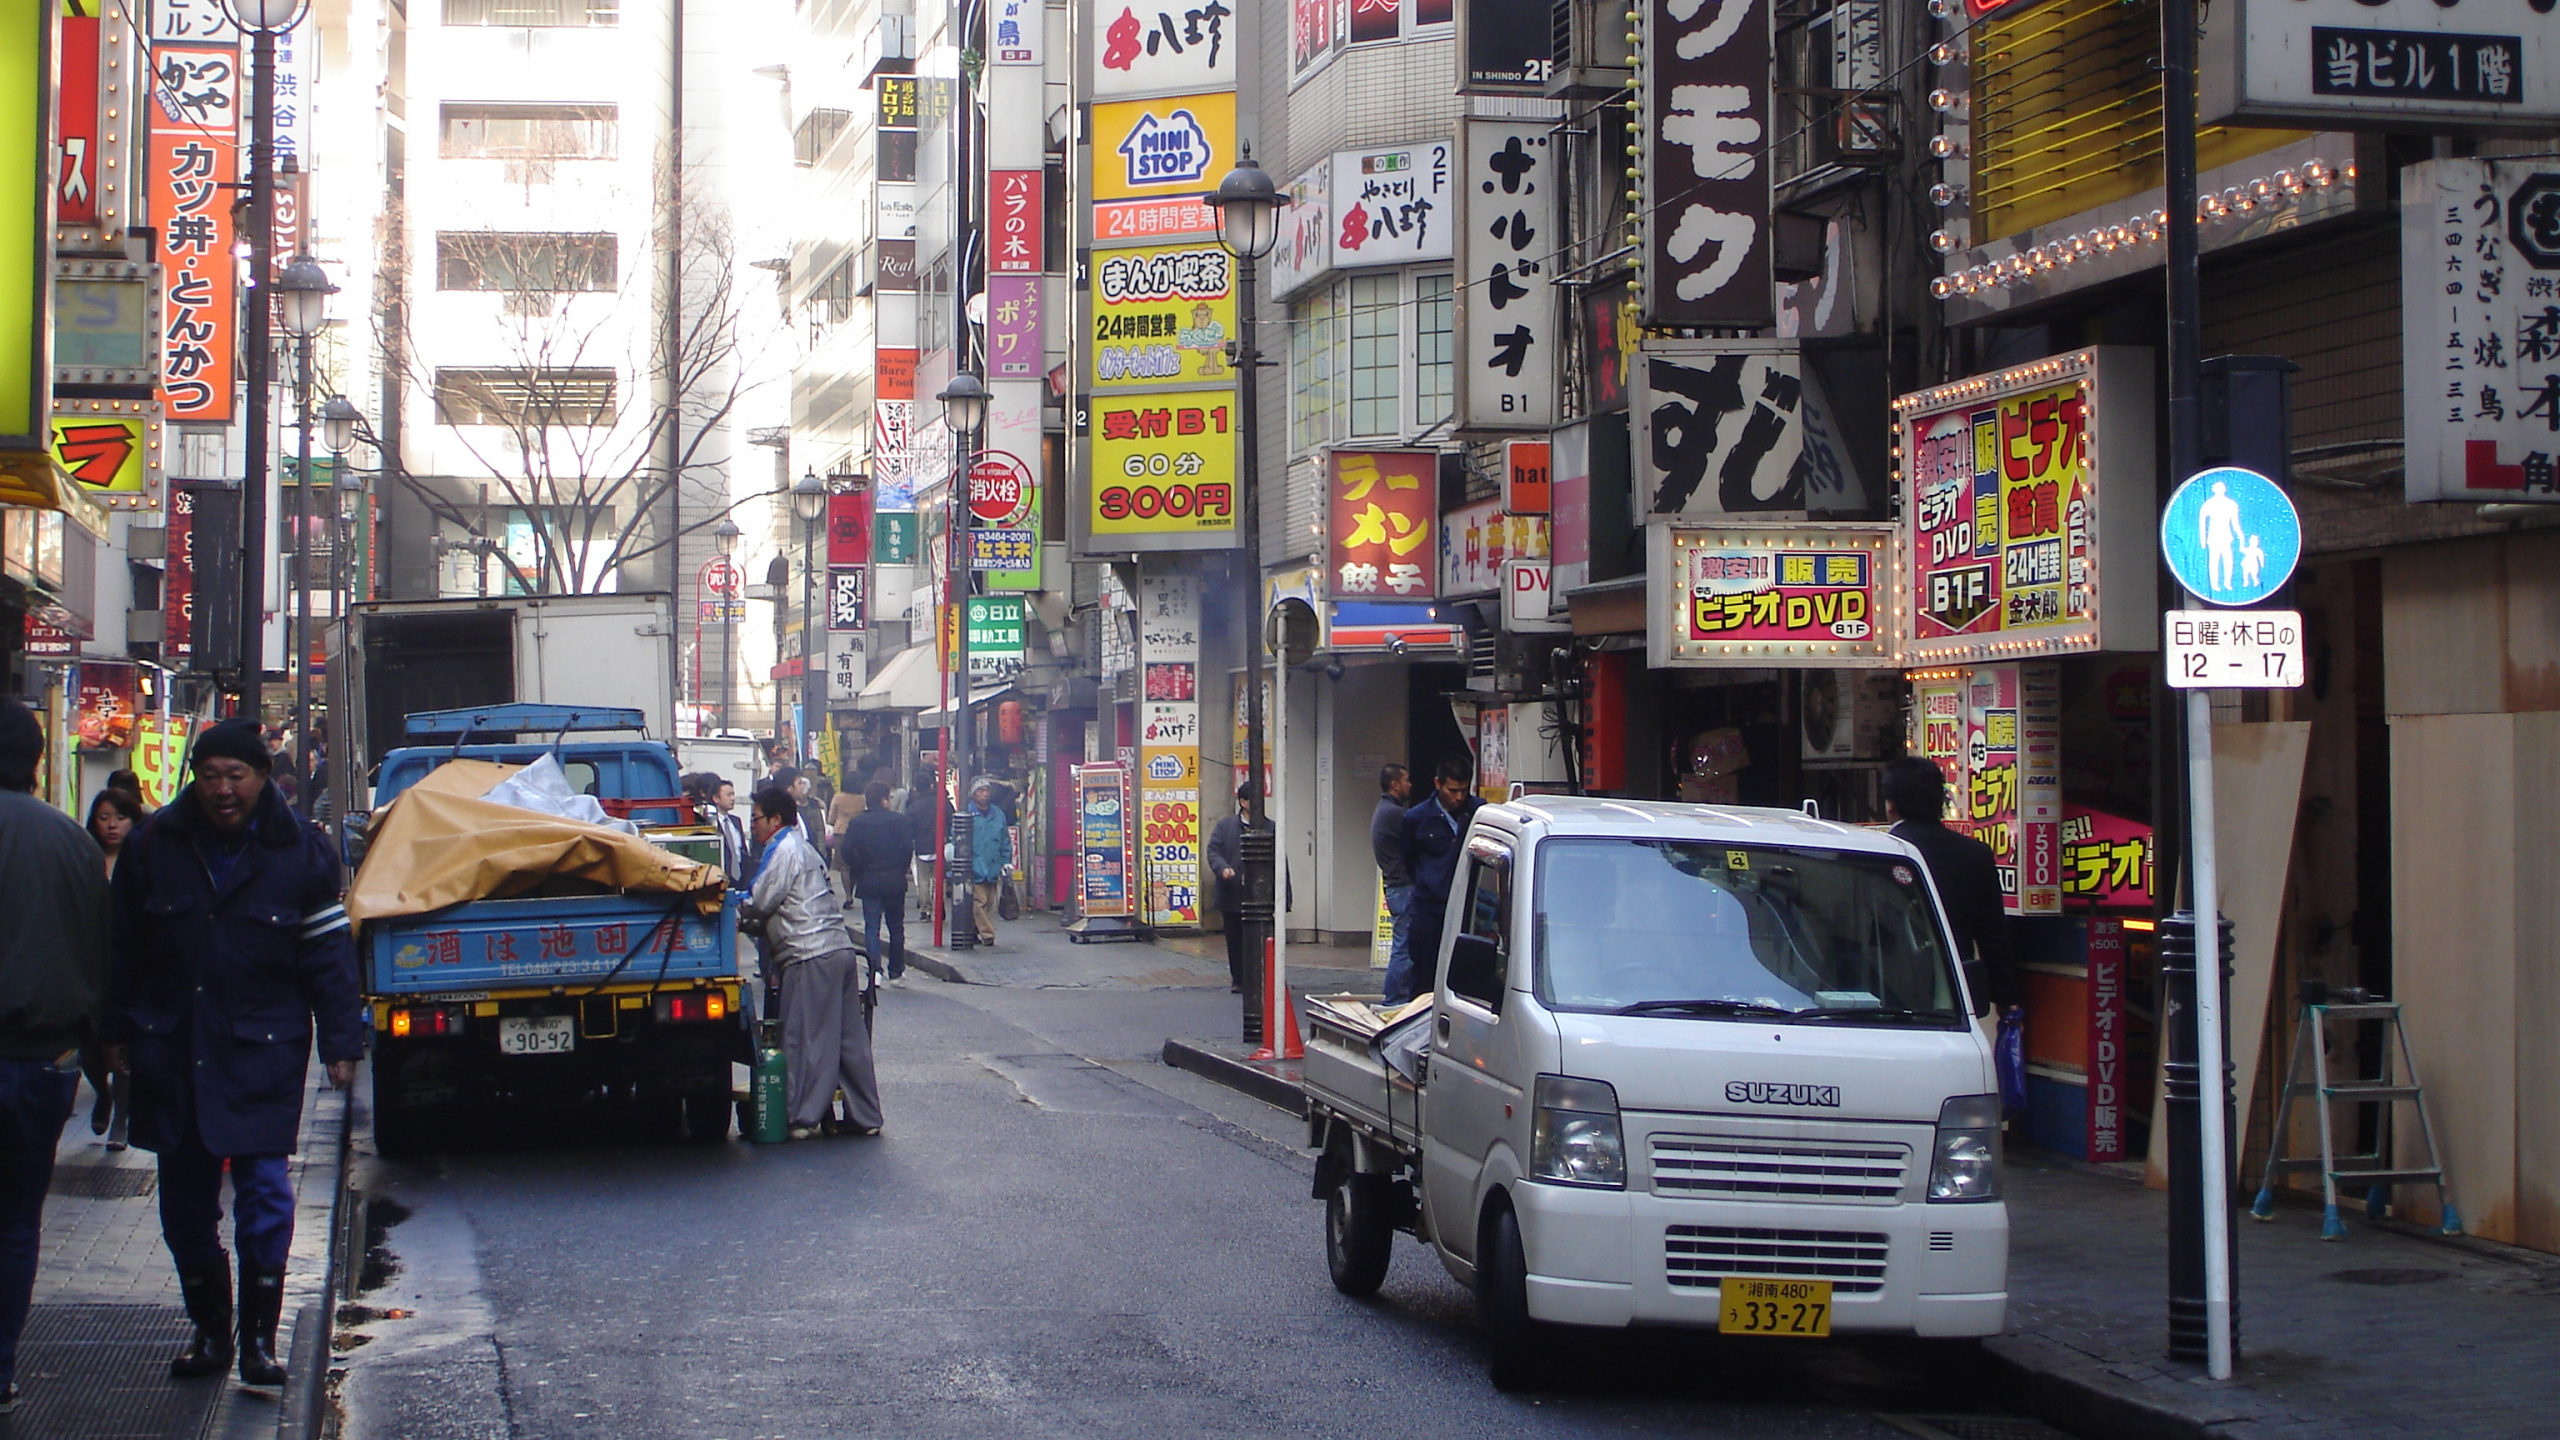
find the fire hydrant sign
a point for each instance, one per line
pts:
(2235, 649)
(999, 489)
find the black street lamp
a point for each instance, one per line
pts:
(302, 302)
(1248, 207)
(964, 409)
(808, 501)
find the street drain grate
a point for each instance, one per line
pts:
(101, 1372)
(2390, 1275)
(1974, 1427)
(104, 1182)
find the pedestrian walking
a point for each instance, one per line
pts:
(877, 852)
(231, 950)
(1967, 877)
(990, 856)
(53, 989)
(925, 803)
(1434, 832)
(1386, 846)
(1226, 869)
(113, 817)
(825, 1045)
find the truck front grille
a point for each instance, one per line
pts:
(1700, 1255)
(1728, 1167)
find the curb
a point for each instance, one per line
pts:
(937, 964)
(1276, 1091)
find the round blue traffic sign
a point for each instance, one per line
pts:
(2231, 536)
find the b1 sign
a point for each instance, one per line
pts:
(2377, 63)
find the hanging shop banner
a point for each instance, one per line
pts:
(160, 757)
(1021, 30)
(109, 698)
(849, 527)
(996, 629)
(1153, 160)
(1380, 509)
(893, 538)
(1104, 846)
(1527, 468)
(1168, 45)
(2107, 860)
(1392, 207)
(1706, 193)
(1169, 747)
(1014, 222)
(1509, 332)
(893, 424)
(1317, 30)
(76, 177)
(111, 447)
(2480, 306)
(195, 161)
(2109, 988)
(1505, 47)
(848, 598)
(1478, 541)
(2370, 64)
(2029, 510)
(1719, 430)
(1164, 464)
(1163, 315)
(1995, 730)
(1014, 335)
(1749, 596)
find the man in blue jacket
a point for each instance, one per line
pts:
(1434, 832)
(231, 948)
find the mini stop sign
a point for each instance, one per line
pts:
(999, 489)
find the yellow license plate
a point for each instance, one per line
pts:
(1775, 1307)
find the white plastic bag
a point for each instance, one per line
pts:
(543, 787)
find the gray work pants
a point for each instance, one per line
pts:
(825, 1046)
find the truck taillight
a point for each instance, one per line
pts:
(426, 1020)
(715, 1006)
(693, 1005)
(400, 1023)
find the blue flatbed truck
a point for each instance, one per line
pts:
(587, 999)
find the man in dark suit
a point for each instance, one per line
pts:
(1434, 832)
(1915, 795)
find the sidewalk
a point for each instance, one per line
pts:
(107, 1316)
(1037, 951)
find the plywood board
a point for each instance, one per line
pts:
(2537, 983)
(2443, 632)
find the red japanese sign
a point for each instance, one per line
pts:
(2107, 860)
(1381, 506)
(178, 588)
(195, 158)
(1014, 222)
(2106, 1067)
(75, 181)
(849, 528)
(108, 704)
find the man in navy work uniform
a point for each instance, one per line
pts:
(231, 947)
(1434, 831)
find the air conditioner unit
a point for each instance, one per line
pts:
(1592, 57)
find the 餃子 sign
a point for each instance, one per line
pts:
(2028, 510)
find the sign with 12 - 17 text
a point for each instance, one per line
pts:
(2235, 649)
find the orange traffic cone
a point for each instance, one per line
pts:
(1278, 1008)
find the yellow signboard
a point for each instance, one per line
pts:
(1164, 463)
(26, 279)
(1146, 149)
(1163, 315)
(108, 454)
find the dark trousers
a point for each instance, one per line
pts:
(35, 1099)
(1241, 969)
(892, 910)
(191, 1208)
(1423, 943)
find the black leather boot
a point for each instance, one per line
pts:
(208, 1297)
(261, 1306)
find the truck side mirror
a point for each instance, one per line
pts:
(1475, 970)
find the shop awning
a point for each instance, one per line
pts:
(910, 681)
(979, 695)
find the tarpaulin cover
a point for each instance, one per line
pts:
(439, 843)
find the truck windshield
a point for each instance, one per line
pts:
(1687, 927)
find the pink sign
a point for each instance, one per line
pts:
(1013, 327)
(2106, 860)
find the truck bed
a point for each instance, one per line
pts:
(1374, 1079)
(536, 943)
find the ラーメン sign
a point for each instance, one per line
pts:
(1767, 596)
(2028, 511)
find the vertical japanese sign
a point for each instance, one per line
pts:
(1316, 31)
(2106, 1065)
(160, 757)
(1014, 334)
(996, 631)
(1509, 331)
(177, 586)
(1022, 29)
(1162, 315)
(1392, 207)
(848, 598)
(1014, 222)
(1718, 429)
(1169, 747)
(2003, 506)
(2480, 329)
(1705, 90)
(76, 172)
(1995, 730)
(1381, 508)
(195, 160)
(1153, 47)
(849, 527)
(2039, 888)
(1305, 248)
(26, 212)
(1104, 847)
(296, 51)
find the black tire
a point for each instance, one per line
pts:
(1358, 1240)
(1515, 1346)
(706, 1118)
(398, 1130)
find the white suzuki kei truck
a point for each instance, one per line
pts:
(1686, 1065)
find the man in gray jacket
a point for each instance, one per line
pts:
(53, 988)
(825, 1045)
(1386, 846)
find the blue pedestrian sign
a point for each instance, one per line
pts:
(2231, 536)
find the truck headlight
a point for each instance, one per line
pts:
(1574, 1135)
(1966, 1163)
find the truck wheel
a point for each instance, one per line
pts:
(1515, 1346)
(706, 1118)
(396, 1127)
(1358, 1241)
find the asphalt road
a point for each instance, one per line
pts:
(1056, 1236)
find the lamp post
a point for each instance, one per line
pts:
(338, 422)
(1248, 207)
(964, 409)
(302, 299)
(263, 19)
(725, 535)
(808, 501)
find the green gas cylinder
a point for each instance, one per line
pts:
(770, 1097)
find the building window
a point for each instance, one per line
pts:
(1314, 396)
(1377, 356)
(817, 130)
(530, 132)
(524, 398)
(500, 260)
(1435, 350)
(533, 14)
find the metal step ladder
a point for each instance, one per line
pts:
(2372, 1170)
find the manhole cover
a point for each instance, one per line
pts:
(104, 1182)
(101, 1372)
(2391, 1275)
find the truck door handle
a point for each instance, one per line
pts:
(1442, 1023)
